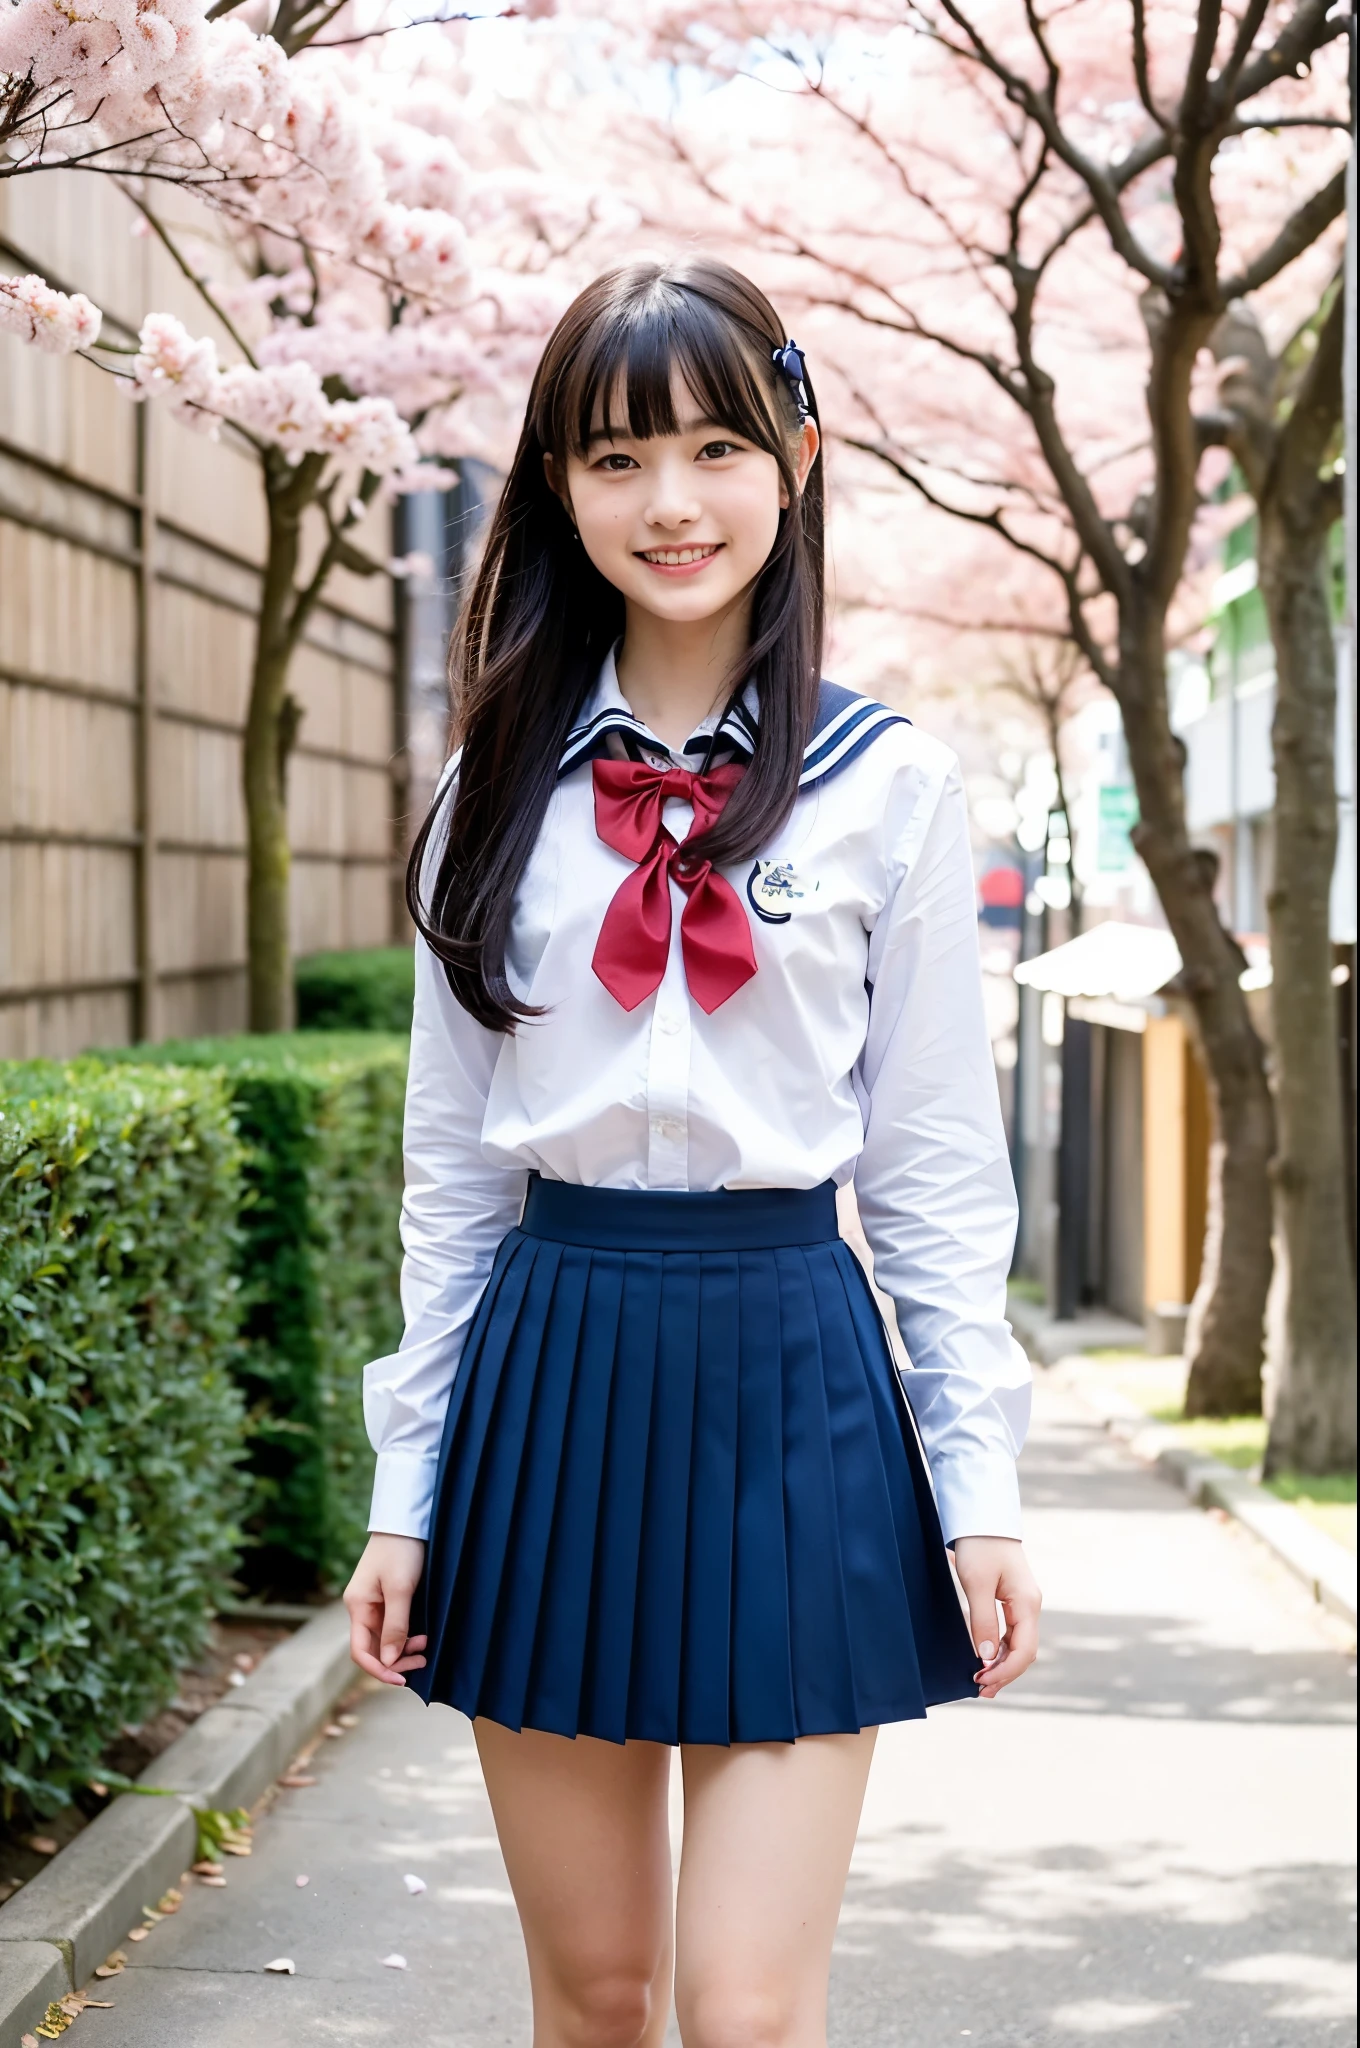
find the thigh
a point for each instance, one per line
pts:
(584, 1831)
(769, 1830)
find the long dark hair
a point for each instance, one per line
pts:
(541, 618)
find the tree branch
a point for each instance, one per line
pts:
(1299, 232)
(1303, 440)
(1142, 77)
(199, 284)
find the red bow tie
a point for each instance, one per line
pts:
(635, 938)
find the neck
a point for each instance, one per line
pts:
(673, 673)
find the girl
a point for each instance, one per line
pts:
(697, 943)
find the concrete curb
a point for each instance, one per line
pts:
(1328, 1570)
(62, 1924)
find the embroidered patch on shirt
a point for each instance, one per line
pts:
(774, 891)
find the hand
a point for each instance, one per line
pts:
(994, 1572)
(379, 1601)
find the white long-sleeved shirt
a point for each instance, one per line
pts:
(858, 1049)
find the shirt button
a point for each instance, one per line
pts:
(669, 1024)
(667, 1127)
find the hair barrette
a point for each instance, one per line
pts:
(790, 362)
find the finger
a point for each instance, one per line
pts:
(1019, 1652)
(366, 1661)
(395, 1622)
(983, 1624)
(365, 1619)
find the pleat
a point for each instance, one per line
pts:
(819, 1639)
(762, 1703)
(680, 1499)
(505, 1687)
(878, 1613)
(654, 1706)
(485, 1546)
(705, 1674)
(609, 1646)
(472, 1405)
(944, 1649)
(554, 1696)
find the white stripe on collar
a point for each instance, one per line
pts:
(846, 725)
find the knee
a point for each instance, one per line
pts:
(611, 2010)
(735, 2016)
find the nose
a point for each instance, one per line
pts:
(672, 503)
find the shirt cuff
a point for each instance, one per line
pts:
(977, 1492)
(403, 1494)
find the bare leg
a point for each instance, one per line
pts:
(583, 1829)
(769, 1828)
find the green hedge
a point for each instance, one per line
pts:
(369, 990)
(120, 1425)
(320, 1114)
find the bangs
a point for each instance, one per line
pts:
(621, 376)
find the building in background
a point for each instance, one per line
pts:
(1111, 1122)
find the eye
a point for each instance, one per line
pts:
(713, 451)
(615, 463)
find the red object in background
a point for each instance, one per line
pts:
(1002, 888)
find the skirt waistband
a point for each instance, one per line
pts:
(672, 1220)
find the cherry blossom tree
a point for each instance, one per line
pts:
(369, 240)
(1039, 218)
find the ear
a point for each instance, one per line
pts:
(809, 441)
(807, 451)
(557, 485)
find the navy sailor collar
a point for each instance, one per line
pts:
(845, 725)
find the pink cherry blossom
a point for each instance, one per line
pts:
(56, 322)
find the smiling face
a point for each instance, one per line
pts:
(680, 523)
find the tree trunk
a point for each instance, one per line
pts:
(1225, 1332)
(1311, 1366)
(271, 725)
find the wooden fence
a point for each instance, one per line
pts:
(129, 567)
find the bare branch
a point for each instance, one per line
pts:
(200, 284)
(1041, 109)
(1305, 32)
(1196, 112)
(1141, 74)
(1304, 439)
(1299, 232)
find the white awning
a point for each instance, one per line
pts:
(1123, 963)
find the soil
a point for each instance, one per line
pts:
(233, 1650)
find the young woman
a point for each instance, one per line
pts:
(697, 943)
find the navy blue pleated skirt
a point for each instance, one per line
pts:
(680, 1497)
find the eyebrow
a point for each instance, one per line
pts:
(695, 426)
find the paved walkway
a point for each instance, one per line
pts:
(1149, 1842)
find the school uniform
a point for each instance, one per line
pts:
(645, 1412)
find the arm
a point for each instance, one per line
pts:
(936, 1198)
(455, 1211)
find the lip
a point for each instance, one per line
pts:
(676, 571)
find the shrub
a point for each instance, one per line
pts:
(369, 990)
(120, 1424)
(320, 1114)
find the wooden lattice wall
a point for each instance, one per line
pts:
(129, 553)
